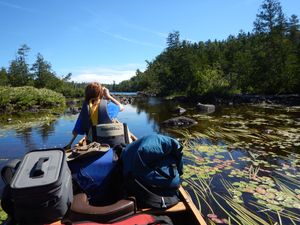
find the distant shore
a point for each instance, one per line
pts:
(288, 99)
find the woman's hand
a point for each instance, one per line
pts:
(109, 97)
(106, 93)
(121, 107)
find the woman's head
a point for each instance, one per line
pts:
(93, 91)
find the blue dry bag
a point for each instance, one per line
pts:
(152, 166)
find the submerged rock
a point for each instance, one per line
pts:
(73, 110)
(179, 110)
(206, 108)
(180, 121)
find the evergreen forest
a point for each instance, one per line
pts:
(264, 61)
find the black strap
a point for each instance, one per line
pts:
(126, 135)
(162, 220)
(164, 174)
(94, 133)
(154, 200)
(158, 169)
(8, 171)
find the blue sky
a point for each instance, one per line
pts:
(107, 41)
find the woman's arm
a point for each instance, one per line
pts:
(107, 95)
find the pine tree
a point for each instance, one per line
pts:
(18, 71)
(3, 77)
(270, 17)
(173, 40)
(42, 72)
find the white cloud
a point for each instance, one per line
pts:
(139, 28)
(10, 5)
(117, 20)
(105, 75)
(131, 40)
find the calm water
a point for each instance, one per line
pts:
(237, 134)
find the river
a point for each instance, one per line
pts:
(231, 144)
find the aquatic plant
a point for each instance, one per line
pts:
(235, 186)
(3, 215)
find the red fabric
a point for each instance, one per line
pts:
(140, 219)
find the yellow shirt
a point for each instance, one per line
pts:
(94, 112)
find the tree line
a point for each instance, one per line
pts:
(39, 75)
(264, 61)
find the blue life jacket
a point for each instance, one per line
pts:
(106, 112)
(103, 116)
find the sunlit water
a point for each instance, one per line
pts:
(15, 140)
(232, 139)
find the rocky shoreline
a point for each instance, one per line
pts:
(290, 100)
(241, 99)
(74, 106)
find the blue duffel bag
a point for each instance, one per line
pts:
(97, 176)
(152, 167)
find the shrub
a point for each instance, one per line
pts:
(209, 82)
(24, 98)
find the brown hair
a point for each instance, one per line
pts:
(93, 90)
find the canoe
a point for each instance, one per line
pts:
(183, 213)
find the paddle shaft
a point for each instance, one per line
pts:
(68, 146)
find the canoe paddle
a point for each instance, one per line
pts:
(68, 146)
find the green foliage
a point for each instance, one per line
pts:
(173, 40)
(18, 71)
(266, 61)
(72, 90)
(3, 215)
(3, 77)
(209, 81)
(40, 75)
(270, 18)
(24, 98)
(46, 78)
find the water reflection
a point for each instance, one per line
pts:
(46, 129)
(157, 111)
(268, 128)
(26, 136)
